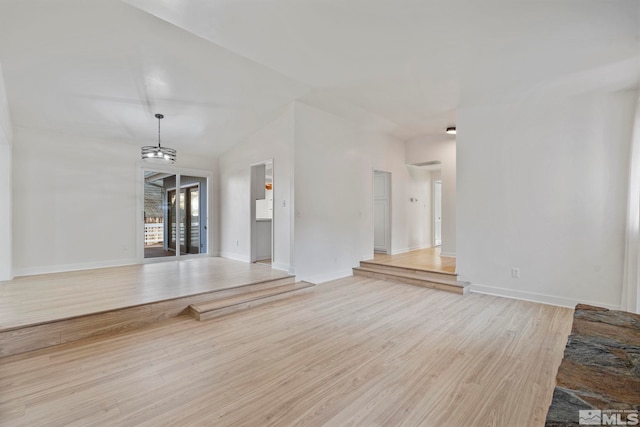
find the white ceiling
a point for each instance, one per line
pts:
(219, 69)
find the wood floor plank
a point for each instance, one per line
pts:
(428, 259)
(33, 300)
(356, 351)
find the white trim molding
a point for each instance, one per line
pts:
(30, 271)
(405, 250)
(534, 297)
(322, 278)
(280, 266)
(237, 257)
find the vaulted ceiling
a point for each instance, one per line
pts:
(220, 69)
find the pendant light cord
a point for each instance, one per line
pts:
(158, 154)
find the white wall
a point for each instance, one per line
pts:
(274, 141)
(542, 187)
(334, 164)
(75, 201)
(442, 148)
(6, 137)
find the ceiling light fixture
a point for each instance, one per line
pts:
(451, 130)
(153, 154)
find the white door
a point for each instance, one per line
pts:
(381, 212)
(258, 192)
(437, 213)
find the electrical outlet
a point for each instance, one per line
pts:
(515, 273)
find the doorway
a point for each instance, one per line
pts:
(175, 214)
(262, 212)
(190, 241)
(437, 213)
(382, 212)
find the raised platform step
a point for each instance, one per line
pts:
(413, 272)
(25, 338)
(223, 306)
(409, 277)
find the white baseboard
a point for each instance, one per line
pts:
(535, 297)
(280, 266)
(405, 250)
(237, 257)
(321, 278)
(30, 271)
(448, 254)
(244, 258)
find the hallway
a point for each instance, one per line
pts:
(428, 259)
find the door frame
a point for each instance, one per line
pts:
(252, 212)
(187, 208)
(433, 213)
(178, 172)
(167, 213)
(389, 210)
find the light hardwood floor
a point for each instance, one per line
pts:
(422, 259)
(355, 352)
(40, 299)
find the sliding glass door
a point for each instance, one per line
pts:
(192, 215)
(175, 214)
(190, 242)
(159, 223)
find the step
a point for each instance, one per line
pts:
(265, 284)
(36, 336)
(223, 306)
(458, 287)
(436, 276)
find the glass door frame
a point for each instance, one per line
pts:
(187, 202)
(178, 172)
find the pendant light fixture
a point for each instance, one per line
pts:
(451, 130)
(159, 154)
